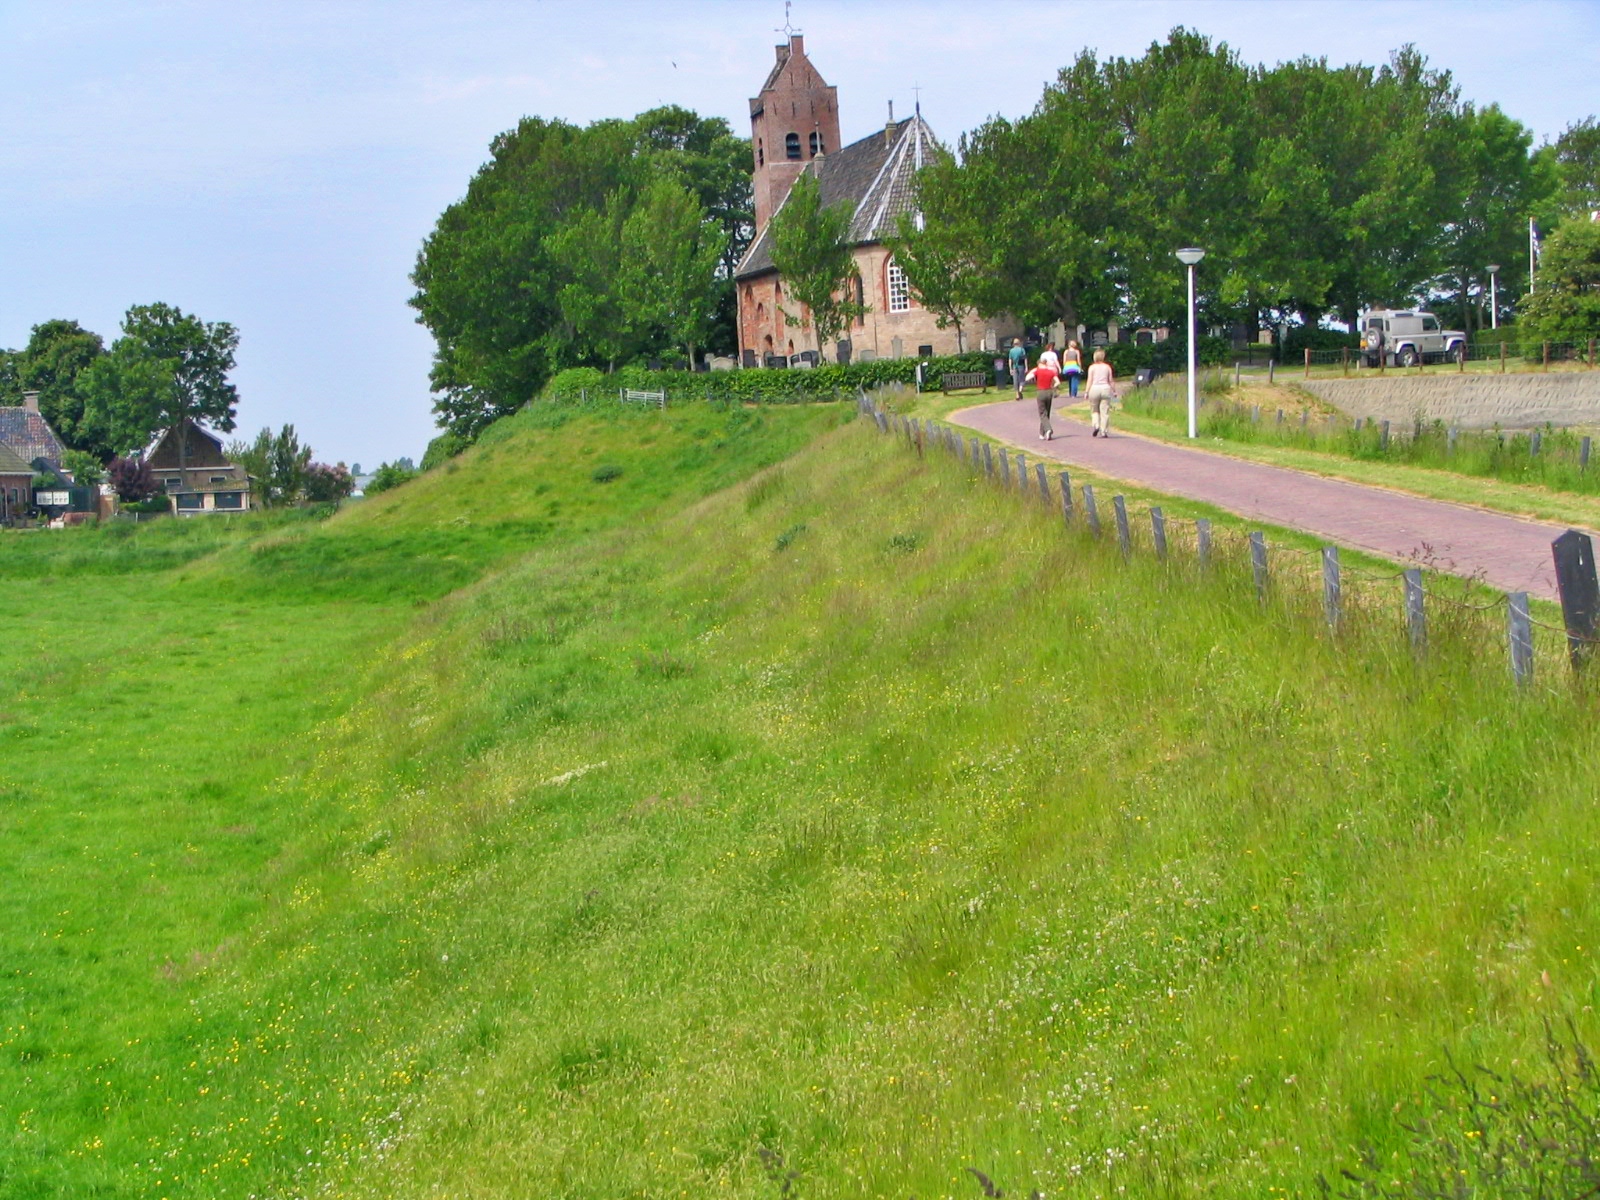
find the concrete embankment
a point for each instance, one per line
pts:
(1470, 401)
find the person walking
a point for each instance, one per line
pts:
(1072, 368)
(1102, 383)
(1044, 377)
(1049, 356)
(1019, 364)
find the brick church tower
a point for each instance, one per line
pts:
(792, 121)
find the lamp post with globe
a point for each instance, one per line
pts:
(1188, 256)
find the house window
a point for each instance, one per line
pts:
(221, 479)
(189, 501)
(791, 145)
(899, 293)
(229, 499)
(816, 143)
(172, 482)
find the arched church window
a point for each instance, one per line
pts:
(761, 153)
(791, 145)
(816, 143)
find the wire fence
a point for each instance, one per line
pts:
(1459, 358)
(1421, 606)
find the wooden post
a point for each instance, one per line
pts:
(1124, 540)
(1344, 359)
(1416, 616)
(1066, 499)
(1090, 510)
(1519, 635)
(1158, 533)
(1044, 482)
(1022, 474)
(1005, 469)
(1305, 416)
(1383, 437)
(1236, 372)
(1280, 418)
(1202, 537)
(1583, 454)
(1502, 358)
(1450, 440)
(1258, 563)
(1331, 609)
(1546, 356)
(1255, 414)
(1580, 592)
(1272, 367)
(988, 459)
(1308, 362)
(1533, 443)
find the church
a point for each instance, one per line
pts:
(794, 131)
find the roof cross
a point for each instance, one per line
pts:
(788, 25)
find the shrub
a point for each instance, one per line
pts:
(389, 475)
(606, 472)
(132, 479)
(446, 446)
(325, 484)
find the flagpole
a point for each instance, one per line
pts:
(1533, 253)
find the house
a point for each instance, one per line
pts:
(794, 131)
(26, 433)
(16, 485)
(197, 476)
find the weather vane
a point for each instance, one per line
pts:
(916, 90)
(788, 25)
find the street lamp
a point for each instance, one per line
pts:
(1188, 256)
(1494, 297)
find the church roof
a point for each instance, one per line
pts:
(28, 435)
(875, 176)
(10, 464)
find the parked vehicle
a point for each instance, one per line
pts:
(1405, 337)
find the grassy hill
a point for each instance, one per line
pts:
(751, 807)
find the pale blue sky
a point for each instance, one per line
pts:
(278, 164)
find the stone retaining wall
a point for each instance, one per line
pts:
(1521, 401)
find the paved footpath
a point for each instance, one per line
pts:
(1510, 553)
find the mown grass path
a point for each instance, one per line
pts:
(1509, 553)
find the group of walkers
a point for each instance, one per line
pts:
(1100, 383)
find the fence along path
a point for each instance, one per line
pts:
(1510, 554)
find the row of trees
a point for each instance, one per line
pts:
(1315, 190)
(107, 405)
(588, 246)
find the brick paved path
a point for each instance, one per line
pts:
(1510, 553)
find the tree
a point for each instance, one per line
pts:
(1577, 164)
(276, 465)
(132, 479)
(167, 368)
(84, 467)
(940, 269)
(811, 253)
(1566, 306)
(325, 484)
(670, 257)
(389, 475)
(58, 352)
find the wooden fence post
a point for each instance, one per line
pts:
(1580, 592)
(1090, 510)
(1258, 563)
(1305, 416)
(1022, 474)
(1308, 362)
(1583, 454)
(1066, 499)
(1332, 611)
(1202, 537)
(1416, 615)
(1280, 418)
(1272, 367)
(1533, 444)
(1044, 482)
(1383, 437)
(1519, 635)
(988, 459)
(1450, 440)
(1124, 539)
(1236, 373)
(1502, 358)
(1255, 414)
(1158, 533)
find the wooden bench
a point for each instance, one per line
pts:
(629, 396)
(958, 381)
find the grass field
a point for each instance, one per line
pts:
(809, 820)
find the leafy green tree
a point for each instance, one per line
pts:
(670, 256)
(84, 467)
(1566, 306)
(276, 464)
(166, 368)
(810, 251)
(389, 475)
(589, 250)
(58, 352)
(1577, 166)
(941, 270)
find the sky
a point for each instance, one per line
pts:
(277, 164)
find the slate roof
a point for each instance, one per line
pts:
(29, 436)
(876, 176)
(10, 464)
(204, 448)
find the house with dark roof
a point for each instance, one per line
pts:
(16, 486)
(794, 125)
(25, 432)
(197, 475)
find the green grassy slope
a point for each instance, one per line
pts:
(835, 834)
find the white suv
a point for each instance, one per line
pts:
(1403, 338)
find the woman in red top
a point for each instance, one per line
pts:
(1044, 376)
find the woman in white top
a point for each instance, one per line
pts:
(1102, 384)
